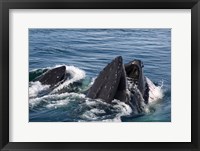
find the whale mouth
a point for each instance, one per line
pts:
(134, 71)
(134, 74)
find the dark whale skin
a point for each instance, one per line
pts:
(106, 84)
(53, 77)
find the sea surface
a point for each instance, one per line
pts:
(85, 52)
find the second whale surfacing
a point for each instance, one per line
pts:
(53, 77)
(126, 83)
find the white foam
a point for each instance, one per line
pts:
(97, 111)
(54, 99)
(76, 73)
(123, 109)
(155, 92)
(90, 102)
(89, 115)
(36, 87)
(57, 104)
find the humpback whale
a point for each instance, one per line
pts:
(124, 82)
(53, 77)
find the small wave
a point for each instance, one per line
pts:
(155, 92)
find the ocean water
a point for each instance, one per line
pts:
(85, 52)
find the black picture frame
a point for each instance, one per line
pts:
(5, 5)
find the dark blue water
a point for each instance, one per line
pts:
(85, 52)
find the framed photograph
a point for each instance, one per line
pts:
(99, 75)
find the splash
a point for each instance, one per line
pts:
(36, 87)
(155, 92)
